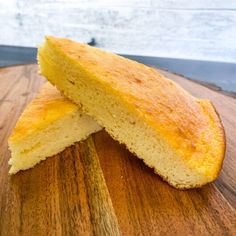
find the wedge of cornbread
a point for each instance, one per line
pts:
(48, 125)
(178, 135)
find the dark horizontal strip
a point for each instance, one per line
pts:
(221, 74)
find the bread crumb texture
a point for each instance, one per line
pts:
(178, 135)
(49, 124)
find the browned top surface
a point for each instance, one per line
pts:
(48, 106)
(190, 126)
(68, 195)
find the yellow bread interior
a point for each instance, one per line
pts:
(181, 137)
(49, 124)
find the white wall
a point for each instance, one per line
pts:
(193, 29)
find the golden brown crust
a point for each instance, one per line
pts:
(223, 137)
(191, 126)
(48, 106)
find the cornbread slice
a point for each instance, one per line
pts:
(49, 124)
(180, 136)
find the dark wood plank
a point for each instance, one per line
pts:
(68, 195)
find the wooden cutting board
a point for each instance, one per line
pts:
(98, 188)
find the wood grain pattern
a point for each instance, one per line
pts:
(146, 205)
(98, 188)
(103, 217)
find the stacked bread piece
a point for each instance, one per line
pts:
(49, 124)
(179, 136)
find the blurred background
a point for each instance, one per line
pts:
(203, 30)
